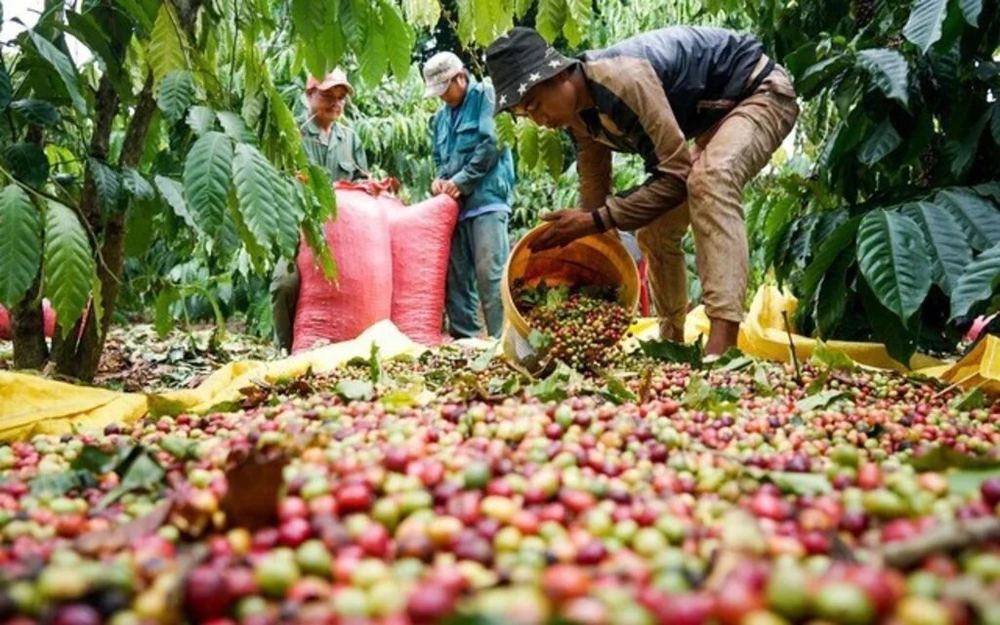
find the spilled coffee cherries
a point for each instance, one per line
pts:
(581, 326)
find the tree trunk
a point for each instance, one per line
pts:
(28, 326)
(80, 359)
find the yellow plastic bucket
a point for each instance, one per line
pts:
(598, 259)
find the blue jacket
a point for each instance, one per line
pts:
(466, 151)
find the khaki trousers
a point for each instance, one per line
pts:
(725, 159)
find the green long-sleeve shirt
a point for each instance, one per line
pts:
(340, 154)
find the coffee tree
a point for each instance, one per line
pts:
(176, 121)
(895, 236)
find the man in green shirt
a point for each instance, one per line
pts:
(335, 148)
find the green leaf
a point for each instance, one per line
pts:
(842, 238)
(143, 11)
(107, 183)
(174, 94)
(550, 18)
(200, 119)
(949, 247)
(309, 19)
(86, 28)
(321, 187)
(820, 400)
(376, 373)
(558, 386)
(507, 134)
(253, 176)
(165, 50)
(966, 483)
(939, 458)
(817, 385)
(579, 14)
(289, 213)
(20, 245)
(673, 352)
(801, 484)
(180, 448)
(971, 400)
(899, 341)
(818, 76)
(95, 460)
(355, 390)
(761, 385)
(164, 320)
(732, 360)
(6, 91)
(977, 216)
(56, 484)
(374, 57)
(893, 259)
(68, 265)
(38, 112)
(880, 143)
(173, 192)
(207, 172)
(995, 124)
(890, 71)
(964, 152)
(399, 40)
(422, 13)
(143, 473)
(923, 28)
(482, 362)
(539, 341)
(697, 393)
(356, 16)
(134, 183)
(28, 163)
(234, 126)
(466, 27)
(527, 144)
(556, 296)
(64, 67)
(976, 283)
(831, 294)
(825, 356)
(551, 152)
(971, 10)
(139, 227)
(616, 391)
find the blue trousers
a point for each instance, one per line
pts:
(479, 250)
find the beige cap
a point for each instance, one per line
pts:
(438, 72)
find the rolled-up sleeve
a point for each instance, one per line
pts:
(593, 164)
(634, 83)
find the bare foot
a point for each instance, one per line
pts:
(722, 336)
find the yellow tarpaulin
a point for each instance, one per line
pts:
(31, 405)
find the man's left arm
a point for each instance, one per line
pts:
(487, 152)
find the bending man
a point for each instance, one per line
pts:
(649, 95)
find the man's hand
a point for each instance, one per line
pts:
(566, 227)
(446, 187)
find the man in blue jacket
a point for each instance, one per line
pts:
(476, 171)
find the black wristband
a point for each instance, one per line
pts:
(598, 222)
